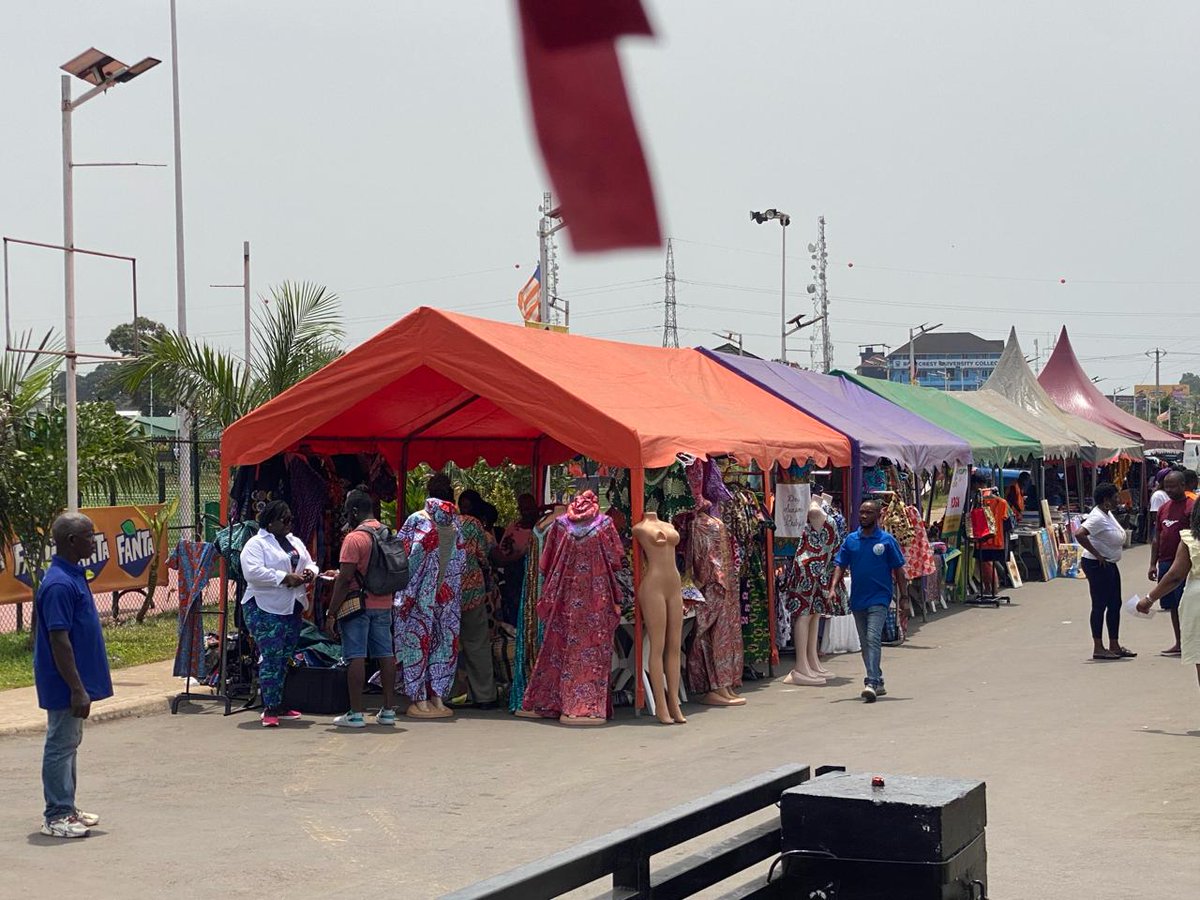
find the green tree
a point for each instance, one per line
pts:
(121, 339)
(1192, 380)
(298, 332)
(33, 439)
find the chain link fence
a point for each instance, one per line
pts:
(196, 516)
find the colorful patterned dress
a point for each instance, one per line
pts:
(715, 658)
(427, 613)
(578, 608)
(807, 589)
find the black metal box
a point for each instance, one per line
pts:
(911, 839)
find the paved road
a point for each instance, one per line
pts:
(1092, 773)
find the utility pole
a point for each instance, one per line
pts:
(913, 334)
(245, 288)
(731, 336)
(1158, 353)
(1037, 358)
(670, 325)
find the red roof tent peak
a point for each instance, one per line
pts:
(1070, 387)
(451, 387)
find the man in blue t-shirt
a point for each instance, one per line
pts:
(875, 562)
(70, 669)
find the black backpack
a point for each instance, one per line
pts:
(387, 572)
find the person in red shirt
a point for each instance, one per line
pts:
(1173, 517)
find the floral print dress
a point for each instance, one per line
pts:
(716, 656)
(578, 609)
(427, 613)
(807, 589)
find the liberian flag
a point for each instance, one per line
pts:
(529, 298)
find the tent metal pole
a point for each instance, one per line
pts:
(402, 487)
(223, 594)
(637, 511)
(769, 503)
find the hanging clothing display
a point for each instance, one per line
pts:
(748, 523)
(578, 606)
(426, 619)
(806, 588)
(918, 554)
(196, 563)
(528, 626)
(715, 658)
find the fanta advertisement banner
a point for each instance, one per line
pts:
(124, 548)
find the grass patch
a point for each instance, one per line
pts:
(128, 645)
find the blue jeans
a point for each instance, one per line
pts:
(63, 735)
(869, 622)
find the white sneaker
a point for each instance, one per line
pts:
(881, 691)
(65, 827)
(868, 694)
(351, 720)
(91, 820)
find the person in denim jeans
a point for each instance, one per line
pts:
(70, 670)
(875, 562)
(369, 632)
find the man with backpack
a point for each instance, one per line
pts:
(366, 618)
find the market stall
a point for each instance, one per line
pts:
(437, 387)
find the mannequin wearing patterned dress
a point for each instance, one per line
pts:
(660, 599)
(715, 659)
(578, 607)
(807, 587)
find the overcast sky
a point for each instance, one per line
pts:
(966, 157)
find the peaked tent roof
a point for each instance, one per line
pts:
(883, 430)
(1070, 388)
(452, 387)
(1056, 441)
(1013, 378)
(992, 443)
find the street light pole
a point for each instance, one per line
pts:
(102, 72)
(72, 398)
(784, 221)
(783, 292)
(245, 287)
(184, 418)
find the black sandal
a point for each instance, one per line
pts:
(1106, 656)
(1126, 653)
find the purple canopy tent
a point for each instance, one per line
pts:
(876, 428)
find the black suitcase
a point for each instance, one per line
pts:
(316, 691)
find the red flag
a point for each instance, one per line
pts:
(585, 126)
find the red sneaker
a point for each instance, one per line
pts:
(290, 714)
(270, 721)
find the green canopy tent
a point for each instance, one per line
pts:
(993, 443)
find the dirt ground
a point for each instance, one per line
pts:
(1092, 771)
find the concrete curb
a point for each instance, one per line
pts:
(121, 709)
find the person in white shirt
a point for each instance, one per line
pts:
(278, 569)
(1103, 539)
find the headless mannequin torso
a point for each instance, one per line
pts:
(660, 600)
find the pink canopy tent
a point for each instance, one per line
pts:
(1069, 387)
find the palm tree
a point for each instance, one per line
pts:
(298, 332)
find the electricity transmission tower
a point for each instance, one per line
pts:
(670, 325)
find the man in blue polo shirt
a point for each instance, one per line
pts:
(875, 562)
(70, 669)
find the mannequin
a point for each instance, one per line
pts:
(806, 593)
(579, 610)
(660, 600)
(715, 659)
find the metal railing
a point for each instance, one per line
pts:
(625, 854)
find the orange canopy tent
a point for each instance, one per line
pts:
(437, 387)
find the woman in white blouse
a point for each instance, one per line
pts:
(278, 569)
(1102, 539)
